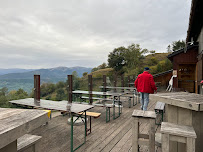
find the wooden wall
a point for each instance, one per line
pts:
(190, 57)
(163, 80)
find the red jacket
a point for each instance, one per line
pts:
(145, 83)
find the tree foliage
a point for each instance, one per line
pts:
(116, 59)
(122, 59)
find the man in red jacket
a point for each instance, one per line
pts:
(145, 85)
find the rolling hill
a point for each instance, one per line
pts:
(14, 81)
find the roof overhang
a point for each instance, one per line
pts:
(189, 47)
(195, 20)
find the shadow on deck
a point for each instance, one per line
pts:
(113, 136)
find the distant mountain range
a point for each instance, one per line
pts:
(7, 71)
(14, 79)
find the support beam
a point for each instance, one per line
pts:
(128, 81)
(90, 88)
(37, 88)
(115, 82)
(122, 82)
(70, 88)
(104, 84)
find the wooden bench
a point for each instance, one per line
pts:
(90, 114)
(108, 107)
(28, 143)
(130, 97)
(178, 133)
(159, 110)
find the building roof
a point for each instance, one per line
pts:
(195, 20)
(181, 51)
(162, 73)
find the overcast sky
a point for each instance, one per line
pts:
(51, 33)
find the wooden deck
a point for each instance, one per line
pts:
(113, 136)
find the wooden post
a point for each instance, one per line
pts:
(135, 133)
(122, 82)
(104, 84)
(128, 81)
(115, 82)
(190, 146)
(165, 142)
(90, 88)
(37, 88)
(152, 135)
(70, 88)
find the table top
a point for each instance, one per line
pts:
(111, 87)
(52, 105)
(98, 93)
(181, 99)
(14, 123)
(144, 114)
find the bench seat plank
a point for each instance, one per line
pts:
(92, 114)
(26, 141)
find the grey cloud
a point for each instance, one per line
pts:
(49, 33)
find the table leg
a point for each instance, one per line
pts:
(72, 133)
(72, 123)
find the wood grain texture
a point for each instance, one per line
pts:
(181, 99)
(52, 105)
(145, 114)
(26, 141)
(18, 124)
(178, 130)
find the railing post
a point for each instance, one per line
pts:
(90, 88)
(128, 81)
(115, 82)
(104, 84)
(70, 88)
(122, 82)
(37, 88)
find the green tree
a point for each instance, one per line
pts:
(134, 55)
(169, 49)
(60, 84)
(60, 94)
(85, 74)
(152, 52)
(3, 91)
(176, 45)
(116, 59)
(3, 98)
(76, 80)
(159, 68)
(21, 94)
(46, 89)
(153, 61)
(102, 66)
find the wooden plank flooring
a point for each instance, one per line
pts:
(113, 136)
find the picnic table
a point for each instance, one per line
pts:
(116, 99)
(184, 109)
(131, 94)
(74, 110)
(14, 123)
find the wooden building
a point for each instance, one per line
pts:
(161, 79)
(185, 63)
(195, 36)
